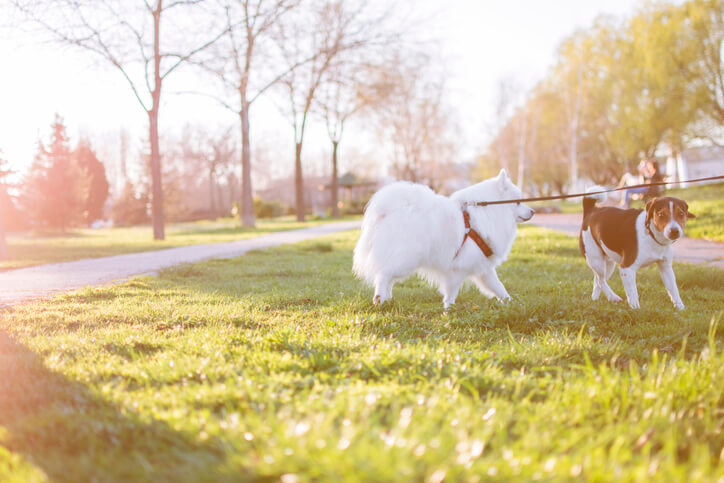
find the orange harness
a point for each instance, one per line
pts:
(474, 236)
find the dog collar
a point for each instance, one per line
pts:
(475, 236)
(651, 233)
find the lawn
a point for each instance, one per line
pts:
(34, 249)
(275, 366)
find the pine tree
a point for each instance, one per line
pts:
(96, 192)
(54, 195)
(4, 172)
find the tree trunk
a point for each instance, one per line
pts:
(531, 143)
(156, 186)
(299, 183)
(3, 244)
(574, 159)
(247, 202)
(232, 183)
(212, 202)
(574, 137)
(221, 209)
(521, 150)
(335, 181)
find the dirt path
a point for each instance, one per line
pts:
(687, 250)
(44, 280)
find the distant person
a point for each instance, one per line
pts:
(650, 172)
(656, 176)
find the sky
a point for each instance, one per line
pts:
(482, 41)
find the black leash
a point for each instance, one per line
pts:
(578, 195)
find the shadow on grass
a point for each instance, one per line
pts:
(48, 418)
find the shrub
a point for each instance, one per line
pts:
(269, 209)
(130, 208)
(353, 207)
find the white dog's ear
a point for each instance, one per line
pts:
(502, 178)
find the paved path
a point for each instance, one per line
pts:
(44, 280)
(687, 250)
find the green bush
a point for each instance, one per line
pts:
(269, 209)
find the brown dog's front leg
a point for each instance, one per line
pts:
(628, 276)
(669, 279)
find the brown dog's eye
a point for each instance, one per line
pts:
(660, 214)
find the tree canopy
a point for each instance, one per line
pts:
(621, 90)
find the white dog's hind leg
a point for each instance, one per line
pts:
(488, 282)
(449, 288)
(669, 279)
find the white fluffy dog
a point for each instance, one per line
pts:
(408, 228)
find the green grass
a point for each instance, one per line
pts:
(32, 249)
(276, 366)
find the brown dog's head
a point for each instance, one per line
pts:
(668, 215)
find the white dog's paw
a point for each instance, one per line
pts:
(377, 300)
(679, 305)
(448, 302)
(504, 299)
(614, 298)
(634, 304)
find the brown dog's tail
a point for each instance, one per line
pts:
(589, 201)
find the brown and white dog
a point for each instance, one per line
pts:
(634, 239)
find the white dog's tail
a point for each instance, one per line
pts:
(362, 251)
(362, 261)
(589, 201)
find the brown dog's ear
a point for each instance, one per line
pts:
(649, 211)
(686, 209)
